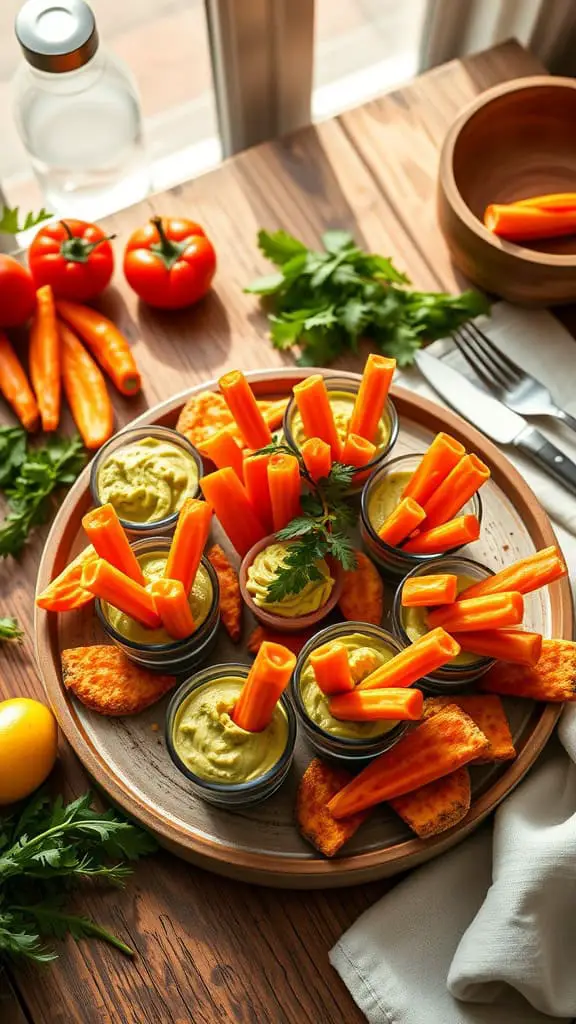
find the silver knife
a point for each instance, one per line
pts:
(496, 420)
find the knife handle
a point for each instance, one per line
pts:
(548, 456)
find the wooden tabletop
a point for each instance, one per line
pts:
(210, 949)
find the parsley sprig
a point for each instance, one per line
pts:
(12, 222)
(10, 629)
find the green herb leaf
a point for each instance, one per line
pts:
(10, 630)
(267, 285)
(9, 220)
(279, 246)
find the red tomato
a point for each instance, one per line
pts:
(169, 262)
(17, 293)
(73, 257)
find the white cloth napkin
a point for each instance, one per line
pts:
(486, 934)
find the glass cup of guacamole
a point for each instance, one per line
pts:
(146, 473)
(224, 764)
(352, 744)
(380, 495)
(409, 624)
(153, 648)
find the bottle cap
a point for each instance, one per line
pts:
(56, 35)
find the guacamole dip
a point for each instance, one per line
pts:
(214, 747)
(365, 654)
(342, 404)
(147, 480)
(153, 566)
(385, 496)
(263, 570)
(414, 622)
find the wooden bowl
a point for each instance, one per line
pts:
(516, 140)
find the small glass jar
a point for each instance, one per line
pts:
(456, 674)
(394, 562)
(178, 656)
(345, 750)
(124, 438)
(230, 795)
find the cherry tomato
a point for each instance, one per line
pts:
(169, 262)
(75, 258)
(28, 747)
(17, 293)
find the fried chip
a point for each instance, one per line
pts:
(318, 785)
(553, 678)
(106, 681)
(437, 806)
(230, 596)
(293, 641)
(488, 713)
(207, 413)
(362, 597)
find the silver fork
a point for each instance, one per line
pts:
(512, 385)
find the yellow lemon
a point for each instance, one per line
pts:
(28, 747)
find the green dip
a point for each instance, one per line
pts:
(414, 622)
(342, 404)
(147, 480)
(263, 570)
(153, 566)
(365, 654)
(212, 746)
(385, 496)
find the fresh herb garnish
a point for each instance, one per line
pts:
(324, 302)
(9, 220)
(10, 630)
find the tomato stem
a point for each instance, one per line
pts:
(78, 250)
(168, 250)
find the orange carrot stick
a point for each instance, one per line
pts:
(256, 485)
(111, 585)
(188, 542)
(65, 593)
(15, 387)
(223, 451)
(331, 667)
(173, 608)
(311, 397)
(519, 223)
(453, 534)
(430, 652)
(273, 413)
(443, 454)
(85, 389)
(425, 591)
(524, 576)
(374, 705)
(44, 358)
(239, 398)
(357, 451)
(505, 644)
(554, 201)
(371, 397)
(455, 490)
(106, 343)
(317, 458)
(493, 611)
(284, 483)
(401, 521)
(225, 494)
(265, 684)
(104, 531)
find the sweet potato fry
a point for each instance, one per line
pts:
(293, 641)
(230, 596)
(362, 597)
(436, 807)
(488, 713)
(318, 785)
(104, 679)
(64, 593)
(553, 678)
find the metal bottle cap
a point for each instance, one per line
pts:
(57, 35)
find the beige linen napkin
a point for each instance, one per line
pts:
(486, 934)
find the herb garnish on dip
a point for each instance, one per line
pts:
(263, 571)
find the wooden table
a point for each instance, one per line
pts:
(212, 949)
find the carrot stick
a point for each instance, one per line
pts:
(284, 484)
(553, 201)
(443, 454)
(223, 451)
(373, 705)
(425, 591)
(265, 684)
(172, 606)
(86, 391)
(257, 489)
(430, 652)
(317, 458)
(453, 534)
(523, 576)
(239, 398)
(188, 542)
(357, 451)
(65, 593)
(106, 342)
(313, 403)
(44, 358)
(505, 644)
(331, 667)
(273, 413)
(104, 531)
(492, 611)
(371, 397)
(401, 521)
(111, 585)
(518, 223)
(455, 490)
(15, 387)
(225, 494)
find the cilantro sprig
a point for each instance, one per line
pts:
(12, 224)
(325, 302)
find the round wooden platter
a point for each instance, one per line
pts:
(128, 759)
